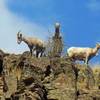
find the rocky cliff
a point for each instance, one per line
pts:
(29, 78)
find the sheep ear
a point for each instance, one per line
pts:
(20, 35)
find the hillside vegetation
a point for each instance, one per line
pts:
(31, 78)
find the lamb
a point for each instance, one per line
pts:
(85, 54)
(33, 44)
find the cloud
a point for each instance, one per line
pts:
(94, 5)
(10, 24)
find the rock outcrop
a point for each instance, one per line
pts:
(31, 78)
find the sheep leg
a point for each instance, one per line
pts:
(41, 53)
(30, 47)
(34, 51)
(86, 60)
(34, 48)
(31, 51)
(37, 53)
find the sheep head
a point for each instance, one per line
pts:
(98, 45)
(19, 37)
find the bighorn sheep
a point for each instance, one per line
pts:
(33, 44)
(85, 54)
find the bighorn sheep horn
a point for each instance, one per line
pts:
(18, 34)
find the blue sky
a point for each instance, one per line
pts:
(80, 20)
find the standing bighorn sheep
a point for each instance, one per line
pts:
(33, 44)
(85, 54)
